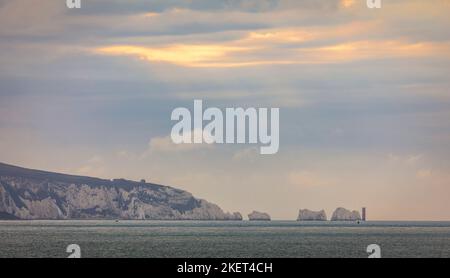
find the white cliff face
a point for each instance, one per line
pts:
(258, 216)
(342, 214)
(309, 215)
(29, 194)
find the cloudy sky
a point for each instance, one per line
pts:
(364, 98)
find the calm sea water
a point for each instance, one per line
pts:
(223, 239)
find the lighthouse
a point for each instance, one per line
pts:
(363, 214)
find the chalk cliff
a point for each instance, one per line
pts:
(32, 194)
(309, 215)
(342, 214)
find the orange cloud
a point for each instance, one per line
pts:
(151, 14)
(361, 50)
(347, 3)
(281, 36)
(183, 55)
(285, 46)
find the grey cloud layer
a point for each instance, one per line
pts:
(59, 94)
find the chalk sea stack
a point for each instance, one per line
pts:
(309, 215)
(258, 216)
(342, 214)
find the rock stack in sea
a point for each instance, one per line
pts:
(342, 214)
(258, 216)
(309, 215)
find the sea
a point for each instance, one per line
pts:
(227, 239)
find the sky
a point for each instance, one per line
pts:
(364, 98)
